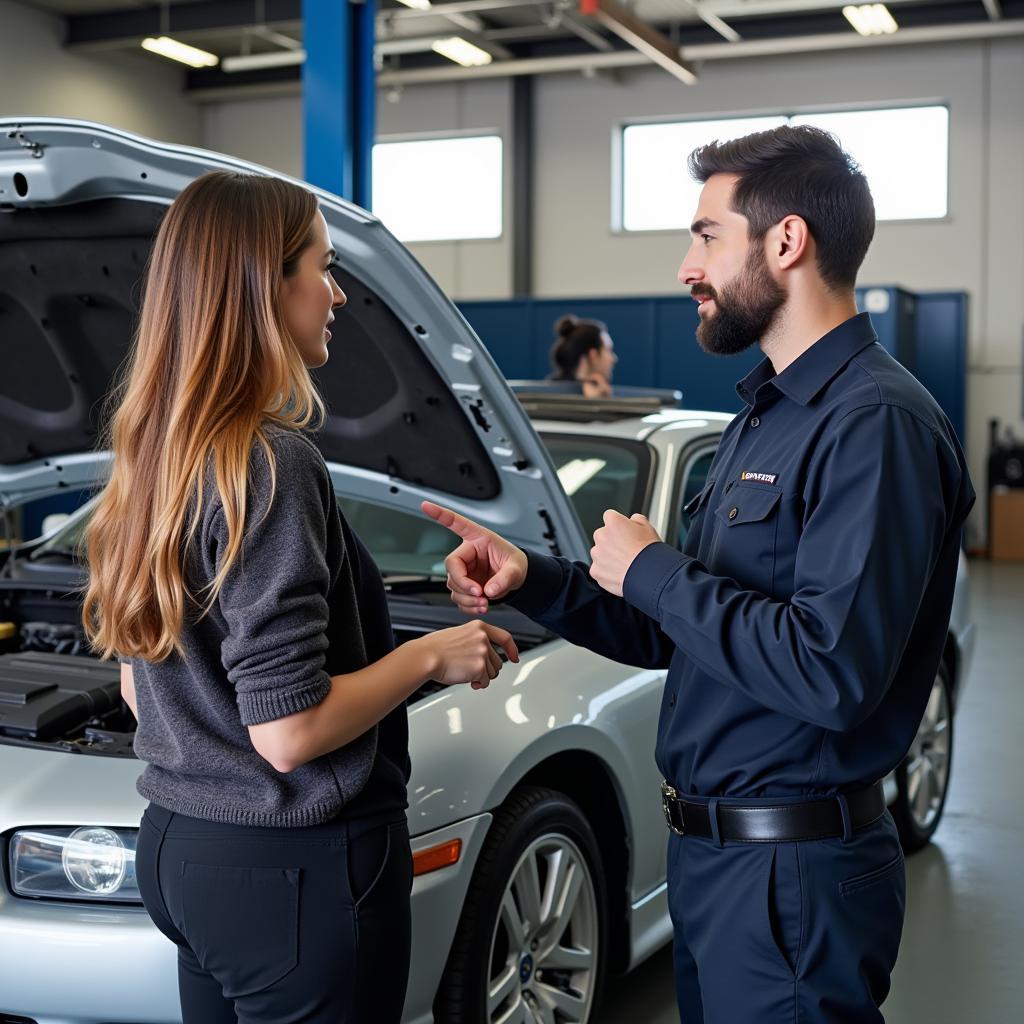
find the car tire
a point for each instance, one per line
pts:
(540, 860)
(922, 779)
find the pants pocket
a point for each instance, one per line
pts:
(785, 904)
(147, 877)
(367, 860)
(242, 923)
(874, 877)
(873, 906)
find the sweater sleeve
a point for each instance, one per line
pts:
(274, 598)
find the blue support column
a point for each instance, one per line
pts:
(339, 96)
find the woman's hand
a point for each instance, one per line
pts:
(465, 654)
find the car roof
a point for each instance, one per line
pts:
(639, 428)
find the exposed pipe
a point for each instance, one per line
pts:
(628, 59)
(710, 51)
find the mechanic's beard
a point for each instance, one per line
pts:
(744, 311)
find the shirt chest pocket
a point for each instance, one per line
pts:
(746, 536)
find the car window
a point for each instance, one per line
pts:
(402, 543)
(601, 473)
(695, 476)
(70, 534)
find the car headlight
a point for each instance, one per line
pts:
(89, 863)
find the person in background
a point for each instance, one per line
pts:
(584, 351)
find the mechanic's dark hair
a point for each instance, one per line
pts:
(574, 338)
(802, 170)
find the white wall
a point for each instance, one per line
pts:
(39, 77)
(269, 132)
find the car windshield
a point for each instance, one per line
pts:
(596, 473)
(67, 538)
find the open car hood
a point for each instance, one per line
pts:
(416, 406)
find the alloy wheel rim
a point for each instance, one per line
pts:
(928, 760)
(543, 956)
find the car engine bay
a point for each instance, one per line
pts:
(55, 694)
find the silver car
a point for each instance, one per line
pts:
(534, 805)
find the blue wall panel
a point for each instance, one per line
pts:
(707, 382)
(654, 339)
(894, 324)
(506, 329)
(940, 361)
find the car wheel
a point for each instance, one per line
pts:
(922, 779)
(531, 942)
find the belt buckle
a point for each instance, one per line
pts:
(669, 796)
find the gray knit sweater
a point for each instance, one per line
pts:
(285, 620)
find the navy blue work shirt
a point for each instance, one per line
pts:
(804, 622)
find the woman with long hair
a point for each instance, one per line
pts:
(583, 350)
(252, 626)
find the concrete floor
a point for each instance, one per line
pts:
(962, 956)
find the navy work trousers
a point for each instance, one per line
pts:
(786, 933)
(282, 925)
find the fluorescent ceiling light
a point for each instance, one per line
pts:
(165, 46)
(461, 51)
(256, 61)
(871, 19)
(416, 5)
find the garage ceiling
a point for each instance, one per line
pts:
(521, 36)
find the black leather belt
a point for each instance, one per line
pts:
(781, 823)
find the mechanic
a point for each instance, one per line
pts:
(804, 622)
(252, 624)
(583, 351)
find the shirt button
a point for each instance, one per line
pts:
(733, 513)
(755, 421)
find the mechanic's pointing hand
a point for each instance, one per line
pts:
(616, 545)
(484, 566)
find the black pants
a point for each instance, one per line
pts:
(294, 925)
(774, 933)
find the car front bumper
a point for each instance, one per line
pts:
(64, 963)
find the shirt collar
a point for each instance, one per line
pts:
(805, 377)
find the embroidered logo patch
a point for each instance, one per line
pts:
(760, 478)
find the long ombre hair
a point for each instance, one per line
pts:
(212, 367)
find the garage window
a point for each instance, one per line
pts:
(657, 191)
(903, 151)
(431, 190)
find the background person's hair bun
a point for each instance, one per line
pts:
(566, 325)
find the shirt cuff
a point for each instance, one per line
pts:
(648, 576)
(542, 586)
(259, 706)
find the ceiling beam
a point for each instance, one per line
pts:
(579, 27)
(646, 40)
(286, 80)
(748, 48)
(116, 29)
(128, 26)
(712, 20)
(456, 7)
(763, 8)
